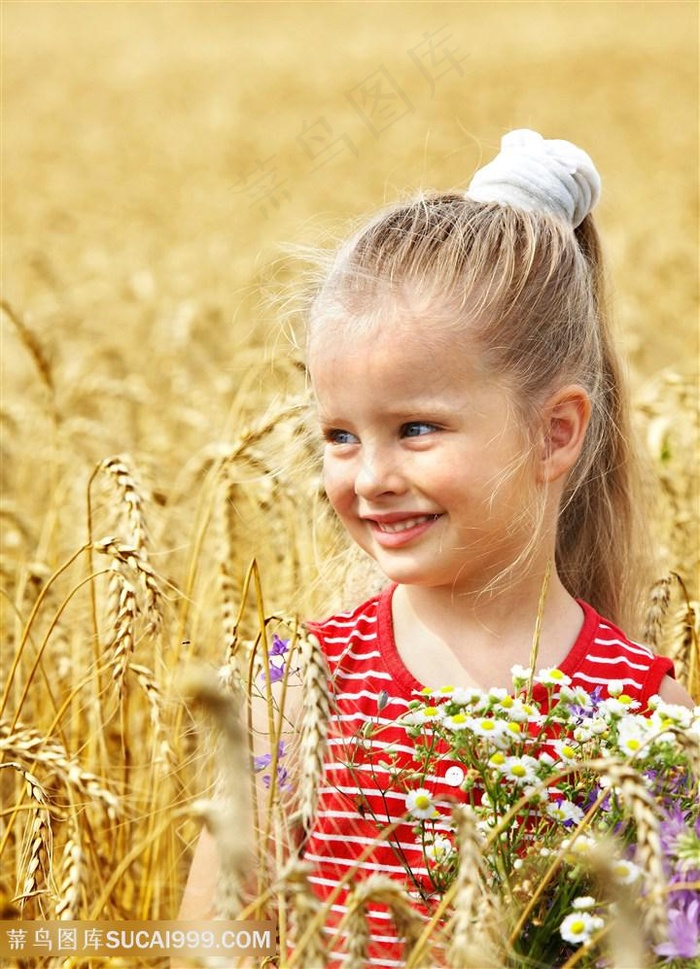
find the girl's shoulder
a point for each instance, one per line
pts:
(603, 653)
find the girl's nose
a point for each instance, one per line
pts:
(379, 474)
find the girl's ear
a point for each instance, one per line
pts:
(565, 420)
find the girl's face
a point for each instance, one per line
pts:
(424, 462)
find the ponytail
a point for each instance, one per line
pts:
(601, 536)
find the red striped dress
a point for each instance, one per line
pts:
(356, 799)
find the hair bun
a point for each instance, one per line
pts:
(536, 174)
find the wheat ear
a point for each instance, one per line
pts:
(645, 813)
(133, 558)
(39, 837)
(71, 878)
(685, 647)
(31, 342)
(315, 723)
(226, 567)
(470, 946)
(659, 600)
(305, 909)
(230, 818)
(147, 682)
(384, 891)
(122, 611)
(118, 470)
(25, 744)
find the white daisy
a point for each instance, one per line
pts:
(633, 734)
(497, 693)
(579, 927)
(521, 770)
(565, 811)
(617, 706)
(458, 721)
(439, 850)
(580, 847)
(626, 872)
(420, 803)
(672, 715)
(576, 696)
(421, 715)
(466, 696)
(552, 676)
(565, 751)
(521, 675)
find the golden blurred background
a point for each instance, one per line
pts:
(157, 154)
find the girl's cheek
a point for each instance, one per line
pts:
(333, 481)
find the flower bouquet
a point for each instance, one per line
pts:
(574, 835)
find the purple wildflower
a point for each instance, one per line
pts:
(279, 646)
(683, 933)
(265, 760)
(276, 653)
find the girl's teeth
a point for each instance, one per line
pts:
(405, 525)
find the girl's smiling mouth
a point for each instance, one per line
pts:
(398, 529)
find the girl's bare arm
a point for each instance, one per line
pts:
(198, 901)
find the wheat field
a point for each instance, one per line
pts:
(159, 161)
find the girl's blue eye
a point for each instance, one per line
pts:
(337, 436)
(417, 429)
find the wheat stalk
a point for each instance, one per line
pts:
(31, 342)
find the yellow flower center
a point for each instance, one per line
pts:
(422, 802)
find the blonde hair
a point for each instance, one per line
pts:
(529, 288)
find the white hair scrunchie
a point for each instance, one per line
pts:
(536, 174)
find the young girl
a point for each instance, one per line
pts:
(476, 436)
